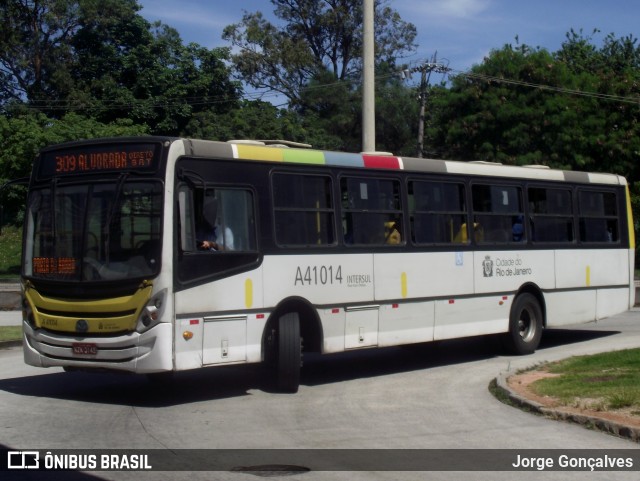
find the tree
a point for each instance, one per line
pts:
(34, 46)
(574, 109)
(22, 137)
(149, 76)
(101, 58)
(335, 108)
(312, 38)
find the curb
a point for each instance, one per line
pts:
(10, 295)
(8, 344)
(590, 422)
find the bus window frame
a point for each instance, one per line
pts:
(520, 185)
(466, 238)
(619, 217)
(334, 210)
(222, 264)
(530, 214)
(402, 210)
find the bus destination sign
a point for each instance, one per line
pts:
(99, 158)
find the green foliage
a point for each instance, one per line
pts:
(574, 109)
(22, 136)
(100, 58)
(72, 69)
(10, 251)
(521, 106)
(334, 107)
(312, 39)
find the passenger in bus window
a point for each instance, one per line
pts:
(392, 234)
(462, 237)
(215, 236)
(518, 229)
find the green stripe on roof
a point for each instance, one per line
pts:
(303, 156)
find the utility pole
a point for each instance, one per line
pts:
(425, 74)
(368, 77)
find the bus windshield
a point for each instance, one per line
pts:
(94, 231)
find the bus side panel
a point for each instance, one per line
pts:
(471, 316)
(406, 323)
(333, 328)
(585, 270)
(401, 278)
(423, 275)
(320, 279)
(507, 271)
(611, 301)
(340, 286)
(592, 268)
(188, 332)
(219, 322)
(224, 340)
(570, 307)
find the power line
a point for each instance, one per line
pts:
(550, 88)
(115, 104)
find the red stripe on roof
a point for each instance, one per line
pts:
(380, 161)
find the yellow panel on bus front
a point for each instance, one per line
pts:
(102, 316)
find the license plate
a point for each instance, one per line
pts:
(85, 348)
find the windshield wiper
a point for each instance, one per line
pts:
(112, 211)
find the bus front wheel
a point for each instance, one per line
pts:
(289, 353)
(525, 325)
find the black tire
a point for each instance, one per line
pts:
(289, 353)
(525, 325)
(161, 378)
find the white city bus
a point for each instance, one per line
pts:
(156, 255)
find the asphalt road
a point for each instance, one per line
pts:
(431, 396)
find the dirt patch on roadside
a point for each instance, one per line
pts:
(521, 385)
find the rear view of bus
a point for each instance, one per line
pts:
(92, 258)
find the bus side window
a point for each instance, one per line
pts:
(224, 217)
(438, 211)
(371, 211)
(303, 210)
(551, 214)
(498, 208)
(598, 216)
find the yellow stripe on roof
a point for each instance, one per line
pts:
(257, 152)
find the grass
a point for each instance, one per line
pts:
(10, 333)
(608, 381)
(10, 251)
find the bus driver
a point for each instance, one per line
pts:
(218, 238)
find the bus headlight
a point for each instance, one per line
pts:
(152, 312)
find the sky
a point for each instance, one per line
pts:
(462, 32)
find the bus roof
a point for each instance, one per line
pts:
(256, 152)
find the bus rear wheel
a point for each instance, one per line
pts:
(525, 325)
(289, 353)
